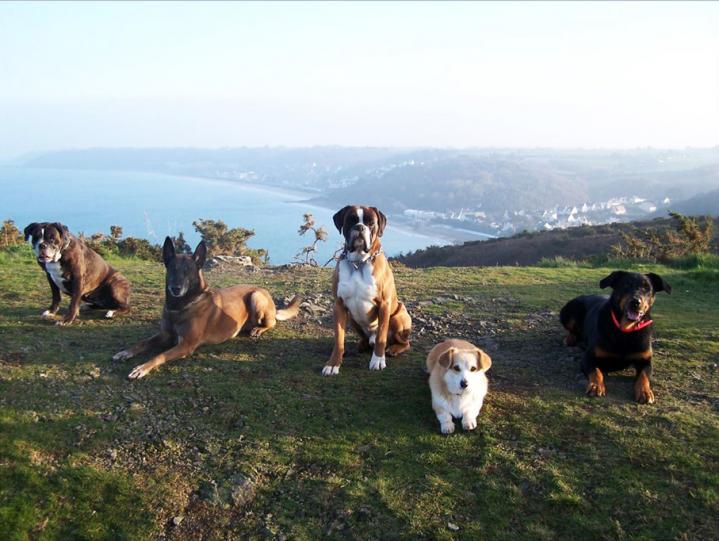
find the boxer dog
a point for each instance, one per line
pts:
(195, 315)
(72, 267)
(364, 291)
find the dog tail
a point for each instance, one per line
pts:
(289, 311)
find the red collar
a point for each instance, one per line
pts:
(636, 328)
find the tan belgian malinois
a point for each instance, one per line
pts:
(195, 315)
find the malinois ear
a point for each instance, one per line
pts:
(612, 280)
(168, 251)
(339, 217)
(200, 254)
(381, 220)
(447, 358)
(29, 231)
(484, 361)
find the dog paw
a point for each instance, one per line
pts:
(47, 314)
(122, 355)
(377, 363)
(109, 314)
(596, 389)
(64, 322)
(447, 428)
(469, 424)
(645, 396)
(330, 370)
(139, 371)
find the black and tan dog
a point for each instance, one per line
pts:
(364, 291)
(72, 267)
(616, 330)
(195, 315)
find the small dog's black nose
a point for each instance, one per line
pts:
(175, 290)
(463, 384)
(635, 303)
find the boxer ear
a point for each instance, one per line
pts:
(339, 217)
(168, 251)
(29, 231)
(64, 234)
(381, 220)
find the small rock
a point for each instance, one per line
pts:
(452, 526)
(176, 521)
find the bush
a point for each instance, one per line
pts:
(10, 235)
(221, 240)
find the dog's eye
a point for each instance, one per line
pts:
(473, 369)
(456, 368)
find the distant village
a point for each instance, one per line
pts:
(619, 209)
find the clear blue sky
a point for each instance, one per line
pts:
(401, 74)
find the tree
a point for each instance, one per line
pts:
(320, 234)
(116, 232)
(221, 240)
(181, 246)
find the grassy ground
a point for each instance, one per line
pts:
(247, 440)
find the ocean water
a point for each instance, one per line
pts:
(153, 205)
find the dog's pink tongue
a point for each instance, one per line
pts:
(634, 316)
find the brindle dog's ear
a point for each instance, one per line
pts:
(484, 361)
(168, 251)
(30, 230)
(339, 217)
(447, 358)
(658, 283)
(200, 254)
(64, 233)
(381, 220)
(612, 280)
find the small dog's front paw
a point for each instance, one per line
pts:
(110, 314)
(645, 396)
(447, 428)
(469, 424)
(139, 371)
(377, 363)
(330, 370)
(122, 355)
(47, 314)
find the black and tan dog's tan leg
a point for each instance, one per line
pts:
(183, 349)
(161, 339)
(332, 368)
(595, 377)
(643, 393)
(378, 360)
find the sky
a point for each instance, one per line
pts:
(566, 75)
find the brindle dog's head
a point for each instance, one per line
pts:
(184, 272)
(361, 227)
(48, 240)
(633, 294)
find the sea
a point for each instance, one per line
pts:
(154, 205)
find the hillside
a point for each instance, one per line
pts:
(246, 440)
(576, 243)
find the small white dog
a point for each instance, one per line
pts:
(458, 382)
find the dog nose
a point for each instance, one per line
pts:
(175, 290)
(463, 384)
(634, 303)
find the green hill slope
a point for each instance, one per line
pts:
(247, 440)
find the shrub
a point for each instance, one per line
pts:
(320, 235)
(10, 235)
(221, 240)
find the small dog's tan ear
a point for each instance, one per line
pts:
(484, 361)
(447, 358)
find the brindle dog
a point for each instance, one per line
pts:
(616, 329)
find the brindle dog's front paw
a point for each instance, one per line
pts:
(140, 371)
(596, 388)
(48, 314)
(644, 396)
